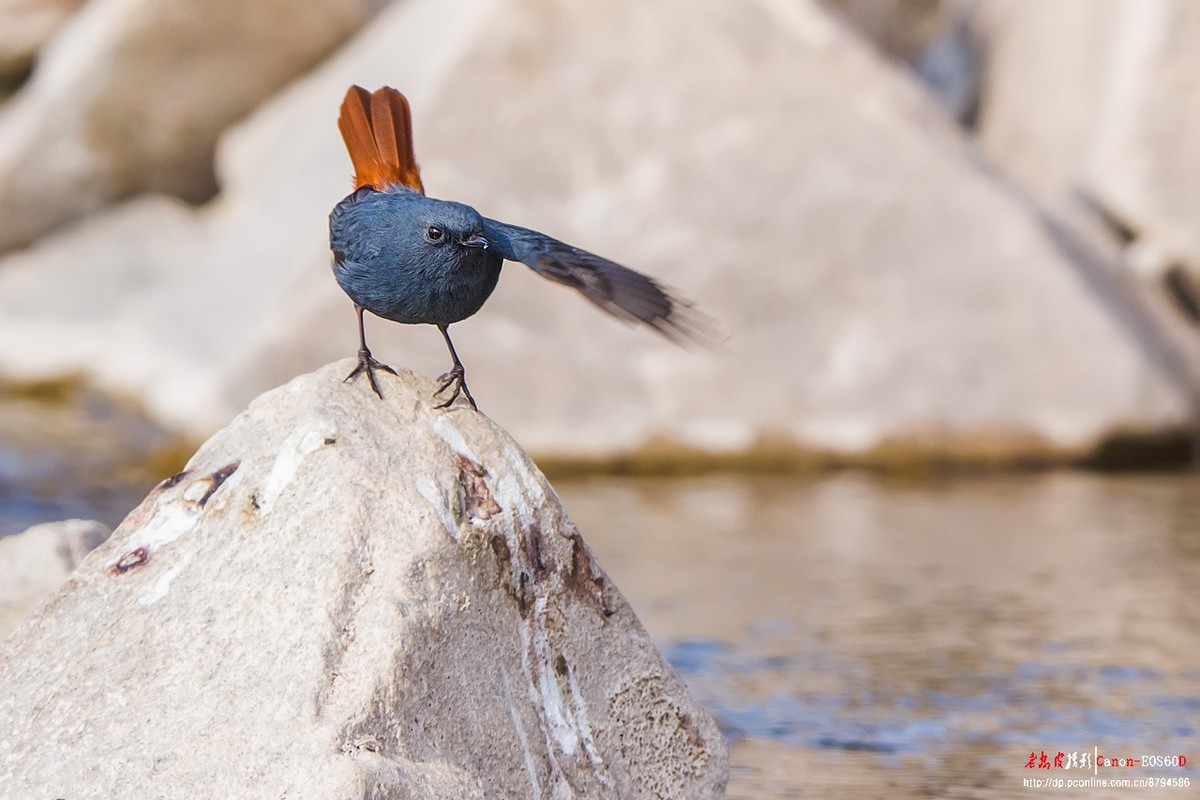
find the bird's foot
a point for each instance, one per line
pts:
(368, 364)
(456, 378)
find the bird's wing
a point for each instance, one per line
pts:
(377, 129)
(620, 291)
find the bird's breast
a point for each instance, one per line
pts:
(417, 290)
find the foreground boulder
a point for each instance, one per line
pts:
(347, 597)
(35, 563)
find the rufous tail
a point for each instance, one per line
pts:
(377, 129)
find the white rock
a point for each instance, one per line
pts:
(1092, 96)
(35, 563)
(1085, 107)
(348, 597)
(879, 284)
(131, 95)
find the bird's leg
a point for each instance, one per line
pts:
(456, 376)
(366, 363)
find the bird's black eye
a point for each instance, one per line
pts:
(434, 234)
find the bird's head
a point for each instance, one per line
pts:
(444, 224)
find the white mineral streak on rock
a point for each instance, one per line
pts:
(298, 445)
(444, 428)
(519, 727)
(173, 517)
(437, 501)
(158, 590)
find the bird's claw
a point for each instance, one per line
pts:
(368, 364)
(456, 378)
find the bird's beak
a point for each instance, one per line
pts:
(475, 240)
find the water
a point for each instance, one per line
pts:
(854, 636)
(857, 637)
(76, 454)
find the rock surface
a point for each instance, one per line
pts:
(900, 28)
(879, 284)
(130, 95)
(1095, 97)
(25, 25)
(347, 597)
(36, 562)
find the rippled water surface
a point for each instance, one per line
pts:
(857, 637)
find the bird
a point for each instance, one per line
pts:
(414, 259)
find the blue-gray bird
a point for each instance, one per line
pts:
(413, 259)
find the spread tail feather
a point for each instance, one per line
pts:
(377, 129)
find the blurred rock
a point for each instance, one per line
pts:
(386, 599)
(934, 37)
(1097, 98)
(35, 563)
(1087, 107)
(25, 25)
(900, 28)
(132, 94)
(952, 67)
(881, 287)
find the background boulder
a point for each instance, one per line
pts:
(879, 283)
(25, 25)
(130, 96)
(1094, 103)
(38, 561)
